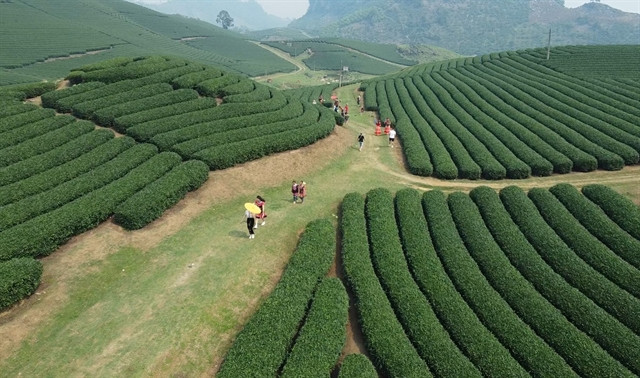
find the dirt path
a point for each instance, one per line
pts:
(285, 56)
(630, 174)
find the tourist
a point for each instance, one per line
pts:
(260, 202)
(302, 191)
(294, 191)
(392, 136)
(251, 221)
(361, 141)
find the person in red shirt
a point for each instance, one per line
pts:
(260, 202)
(302, 191)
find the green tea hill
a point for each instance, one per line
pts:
(515, 114)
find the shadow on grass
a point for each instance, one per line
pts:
(239, 234)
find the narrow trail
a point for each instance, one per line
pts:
(285, 56)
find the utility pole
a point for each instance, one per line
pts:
(549, 46)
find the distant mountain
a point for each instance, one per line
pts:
(470, 26)
(246, 14)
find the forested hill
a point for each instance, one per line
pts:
(471, 26)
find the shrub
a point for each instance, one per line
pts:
(215, 87)
(133, 70)
(323, 335)
(58, 174)
(483, 321)
(619, 274)
(191, 80)
(106, 115)
(12, 108)
(243, 86)
(19, 278)
(262, 345)
(147, 130)
(227, 155)
(618, 208)
(31, 90)
(568, 130)
(234, 130)
(109, 63)
(49, 99)
(447, 359)
(582, 161)
(57, 156)
(428, 335)
(492, 169)
(357, 366)
(87, 109)
(260, 93)
(56, 197)
(122, 123)
(44, 142)
(149, 203)
(42, 235)
(614, 337)
(386, 341)
(509, 325)
(467, 167)
(32, 130)
(24, 118)
(519, 274)
(598, 224)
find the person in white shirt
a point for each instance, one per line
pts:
(392, 136)
(251, 221)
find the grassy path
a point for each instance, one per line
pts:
(168, 300)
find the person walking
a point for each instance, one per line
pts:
(260, 202)
(302, 191)
(361, 141)
(294, 191)
(392, 136)
(251, 221)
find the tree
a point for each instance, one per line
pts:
(225, 19)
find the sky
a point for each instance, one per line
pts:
(624, 5)
(286, 8)
(297, 8)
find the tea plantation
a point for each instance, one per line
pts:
(471, 283)
(544, 283)
(508, 115)
(60, 177)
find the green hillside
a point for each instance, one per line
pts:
(508, 115)
(98, 30)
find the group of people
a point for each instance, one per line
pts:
(391, 133)
(299, 191)
(344, 111)
(254, 218)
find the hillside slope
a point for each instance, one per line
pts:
(92, 30)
